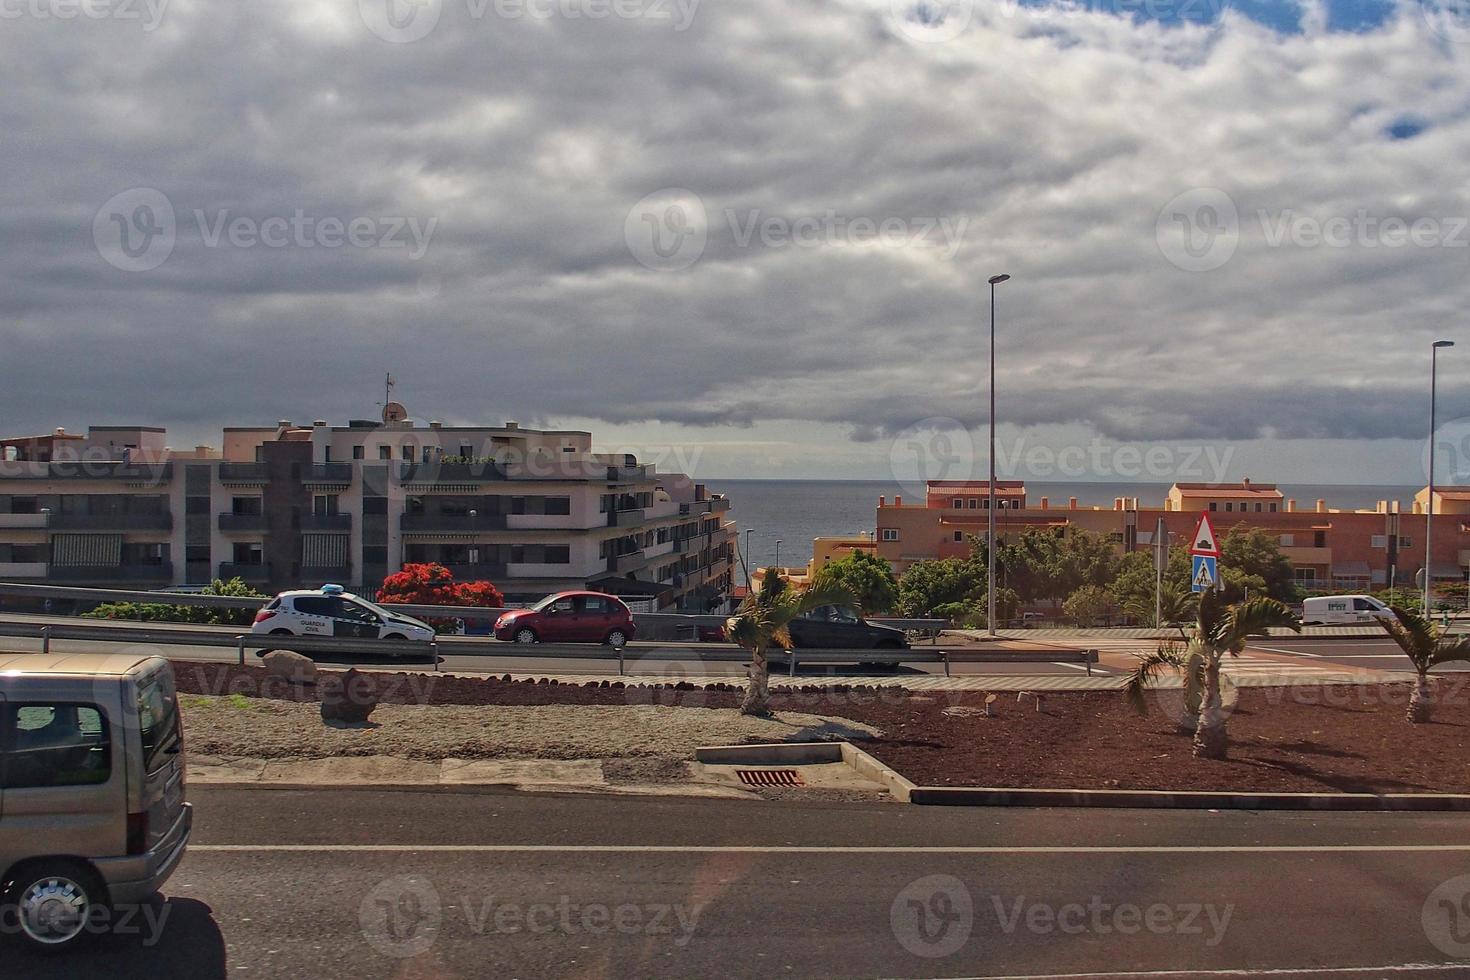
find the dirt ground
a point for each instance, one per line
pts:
(1288, 739)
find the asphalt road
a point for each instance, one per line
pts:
(1381, 654)
(602, 886)
(601, 660)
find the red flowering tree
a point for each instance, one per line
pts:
(434, 585)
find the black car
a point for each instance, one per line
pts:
(841, 628)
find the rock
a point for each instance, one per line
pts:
(348, 698)
(962, 711)
(290, 666)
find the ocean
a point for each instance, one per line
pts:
(795, 511)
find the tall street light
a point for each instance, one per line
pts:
(745, 559)
(1429, 504)
(778, 557)
(990, 504)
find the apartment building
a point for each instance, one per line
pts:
(533, 511)
(1329, 549)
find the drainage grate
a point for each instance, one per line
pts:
(770, 777)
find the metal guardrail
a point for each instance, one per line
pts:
(707, 652)
(435, 612)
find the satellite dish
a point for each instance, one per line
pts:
(394, 412)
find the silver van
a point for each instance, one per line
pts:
(92, 811)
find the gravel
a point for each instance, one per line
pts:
(270, 729)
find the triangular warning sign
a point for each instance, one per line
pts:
(1204, 538)
(1202, 577)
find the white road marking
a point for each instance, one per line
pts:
(1276, 971)
(830, 849)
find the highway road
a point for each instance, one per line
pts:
(601, 660)
(427, 883)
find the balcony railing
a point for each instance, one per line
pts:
(242, 472)
(630, 517)
(18, 521)
(450, 472)
(156, 473)
(242, 522)
(629, 562)
(327, 473)
(452, 523)
(250, 573)
(326, 522)
(152, 572)
(476, 573)
(111, 522)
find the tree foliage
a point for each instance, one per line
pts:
(762, 622)
(868, 578)
(434, 585)
(928, 585)
(169, 612)
(1088, 605)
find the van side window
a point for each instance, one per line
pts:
(53, 745)
(158, 719)
(1363, 605)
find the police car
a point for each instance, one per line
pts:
(333, 611)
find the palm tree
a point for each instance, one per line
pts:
(1175, 606)
(761, 623)
(1426, 645)
(1182, 660)
(1219, 629)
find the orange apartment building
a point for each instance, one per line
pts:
(1339, 550)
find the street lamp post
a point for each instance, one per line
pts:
(778, 557)
(474, 537)
(745, 559)
(1429, 503)
(990, 503)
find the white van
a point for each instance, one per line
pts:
(1330, 610)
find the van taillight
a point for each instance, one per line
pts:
(138, 833)
(264, 614)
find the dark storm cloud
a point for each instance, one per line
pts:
(1049, 143)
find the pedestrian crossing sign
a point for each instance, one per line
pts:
(1204, 573)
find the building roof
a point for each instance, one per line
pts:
(1243, 489)
(975, 484)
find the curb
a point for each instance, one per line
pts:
(906, 791)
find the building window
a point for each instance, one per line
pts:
(326, 454)
(957, 503)
(1406, 542)
(196, 552)
(1258, 508)
(385, 452)
(889, 534)
(1287, 540)
(407, 453)
(559, 506)
(558, 554)
(248, 553)
(358, 452)
(1319, 539)
(324, 504)
(1213, 505)
(375, 505)
(374, 554)
(196, 505)
(959, 536)
(251, 506)
(1273, 508)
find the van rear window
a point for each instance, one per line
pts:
(158, 718)
(53, 744)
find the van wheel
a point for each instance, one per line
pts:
(49, 903)
(617, 638)
(526, 635)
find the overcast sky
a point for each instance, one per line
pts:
(753, 232)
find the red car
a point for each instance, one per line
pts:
(569, 617)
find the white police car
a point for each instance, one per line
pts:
(333, 611)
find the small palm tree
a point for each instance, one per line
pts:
(761, 623)
(1219, 629)
(1182, 660)
(1426, 645)
(1175, 606)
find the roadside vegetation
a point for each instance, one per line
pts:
(761, 624)
(169, 612)
(1427, 646)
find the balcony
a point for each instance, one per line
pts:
(480, 472)
(697, 507)
(242, 522)
(1307, 555)
(631, 517)
(477, 573)
(22, 569)
(451, 523)
(257, 572)
(333, 473)
(242, 473)
(162, 572)
(155, 474)
(112, 522)
(326, 522)
(629, 562)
